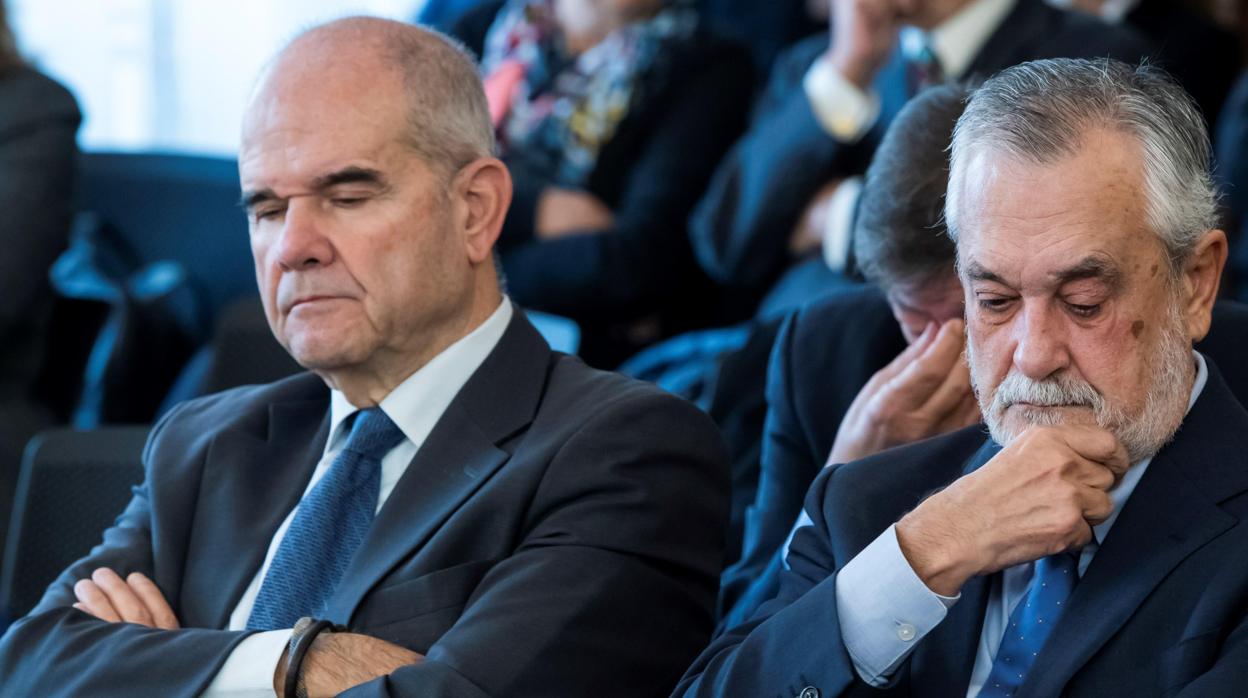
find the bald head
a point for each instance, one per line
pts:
(373, 60)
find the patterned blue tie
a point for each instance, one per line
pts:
(1031, 623)
(330, 523)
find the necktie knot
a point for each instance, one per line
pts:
(373, 434)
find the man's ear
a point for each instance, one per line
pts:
(1201, 276)
(483, 192)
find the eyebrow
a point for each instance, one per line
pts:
(347, 175)
(978, 272)
(1092, 267)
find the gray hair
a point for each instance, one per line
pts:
(1040, 110)
(449, 119)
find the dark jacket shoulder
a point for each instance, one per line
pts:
(31, 97)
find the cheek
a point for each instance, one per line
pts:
(989, 351)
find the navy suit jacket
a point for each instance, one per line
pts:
(741, 226)
(824, 355)
(542, 542)
(1161, 611)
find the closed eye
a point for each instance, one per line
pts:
(1083, 311)
(993, 304)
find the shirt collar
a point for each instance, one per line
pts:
(957, 40)
(1111, 10)
(1122, 492)
(417, 403)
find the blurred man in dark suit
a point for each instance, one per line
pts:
(442, 506)
(778, 196)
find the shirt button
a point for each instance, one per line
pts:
(905, 632)
(809, 692)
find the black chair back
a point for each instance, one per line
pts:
(73, 485)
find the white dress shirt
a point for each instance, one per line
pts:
(846, 113)
(885, 609)
(415, 406)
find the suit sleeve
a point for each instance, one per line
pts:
(794, 641)
(741, 227)
(787, 469)
(645, 255)
(621, 561)
(59, 651)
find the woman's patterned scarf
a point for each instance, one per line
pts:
(558, 111)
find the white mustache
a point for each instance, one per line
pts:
(1059, 390)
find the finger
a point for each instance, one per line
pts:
(93, 600)
(1096, 505)
(147, 591)
(946, 347)
(917, 383)
(1095, 444)
(1095, 475)
(910, 353)
(963, 415)
(122, 597)
(951, 396)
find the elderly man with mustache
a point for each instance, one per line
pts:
(1095, 544)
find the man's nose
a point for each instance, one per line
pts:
(1040, 346)
(303, 243)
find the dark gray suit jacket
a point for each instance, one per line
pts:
(559, 533)
(1161, 611)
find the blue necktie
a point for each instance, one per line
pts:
(1031, 623)
(329, 525)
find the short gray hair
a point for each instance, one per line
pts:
(1040, 110)
(449, 119)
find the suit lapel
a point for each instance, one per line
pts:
(458, 457)
(251, 481)
(1172, 513)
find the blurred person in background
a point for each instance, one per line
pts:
(782, 202)
(611, 117)
(1191, 46)
(38, 122)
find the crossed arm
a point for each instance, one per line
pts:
(335, 662)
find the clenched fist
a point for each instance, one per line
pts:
(1039, 496)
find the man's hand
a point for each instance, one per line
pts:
(563, 212)
(1039, 496)
(808, 234)
(338, 661)
(863, 35)
(135, 599)
(923, 392)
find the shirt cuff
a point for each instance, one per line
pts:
(843, 110)
(248, 671)
(838, 233)
(884, 608)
